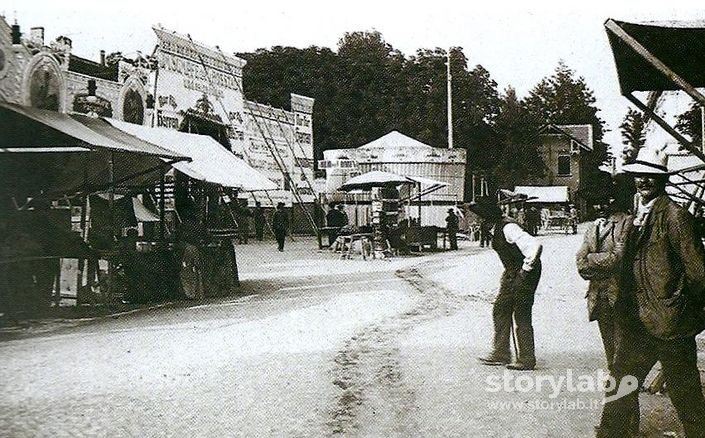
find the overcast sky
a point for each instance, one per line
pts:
(518, 42)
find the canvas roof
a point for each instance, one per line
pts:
(211, 162)
(55, 129)
(679, 45)
(544, 194)
(395, 139)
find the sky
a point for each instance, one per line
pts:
(518, 42)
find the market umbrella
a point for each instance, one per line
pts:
(375, 178)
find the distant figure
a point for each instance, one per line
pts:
(334, 219)
(259, 220)
(343, 215)
(532, 220)
(452, 228)
(573, 215)
(280, 225)
(485, 236)
(243, 218)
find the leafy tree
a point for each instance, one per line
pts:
(633, 131)
(518, 157)
(689, 123)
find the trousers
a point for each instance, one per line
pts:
(637, 352)
(514, 304)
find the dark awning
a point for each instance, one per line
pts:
(679, 45)
(26, 127)
(70, 153)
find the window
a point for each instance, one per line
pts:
(564, 165)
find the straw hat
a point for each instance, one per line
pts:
(649, 161)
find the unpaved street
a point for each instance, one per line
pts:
(318, 347)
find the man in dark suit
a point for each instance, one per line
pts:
(660, 305)
(280, 225)
(520, 254)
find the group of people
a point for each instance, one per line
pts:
(647, 293)
(645, 263)
(279, 223)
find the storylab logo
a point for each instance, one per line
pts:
(557, 385)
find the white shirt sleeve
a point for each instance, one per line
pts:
(527, 244)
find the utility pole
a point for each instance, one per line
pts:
(450, 104)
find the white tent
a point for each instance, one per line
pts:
(211, 162)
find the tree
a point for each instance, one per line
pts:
(633, 131)
(690, 123)
(518, 157)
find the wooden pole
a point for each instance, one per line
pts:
(450, 104)
(688, 145)
(162, 204)
(111, 204)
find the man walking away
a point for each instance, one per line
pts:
(280, 225)
(660, 306)
(452, 229)
(520, 255)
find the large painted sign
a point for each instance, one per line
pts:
(194, 79)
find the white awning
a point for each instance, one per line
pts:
(544, 194)
(211, 162)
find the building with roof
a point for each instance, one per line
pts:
(186, 86)
(563, 150)
(403, 155)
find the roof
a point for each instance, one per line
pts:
(679, 45)
(27, 128)
(92, 68)
(395, 139)
(211, 162)
(581, 134)
(544, 194)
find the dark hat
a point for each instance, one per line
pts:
(486, 207)
(450, 210)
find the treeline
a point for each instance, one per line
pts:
(367, 88)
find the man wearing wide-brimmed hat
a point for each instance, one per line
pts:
(660, 307)
(452, 228)
(520, 255)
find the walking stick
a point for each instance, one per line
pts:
(514, 339)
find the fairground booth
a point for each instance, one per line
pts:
(98, 204)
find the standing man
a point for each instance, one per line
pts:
(599, 260)
(520, 255)
(259, 220)
(661, 304)
(452, 228)
(280, 225)
(333, 220)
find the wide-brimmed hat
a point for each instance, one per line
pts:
(486, 207)
(649, 161)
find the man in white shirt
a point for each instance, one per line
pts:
(520, 254)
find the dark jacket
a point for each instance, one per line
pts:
(280, 220)
(599, 259)
(665, 267)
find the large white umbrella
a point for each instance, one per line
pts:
(375, 178)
